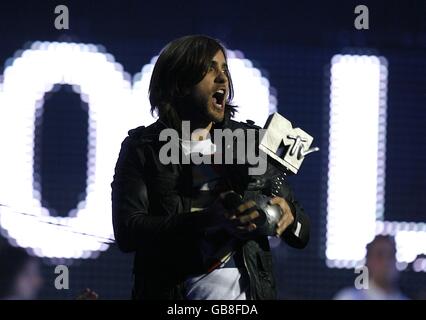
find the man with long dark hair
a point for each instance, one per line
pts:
(189, 243)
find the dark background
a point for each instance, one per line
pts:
(292, 42)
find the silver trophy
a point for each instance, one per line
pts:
(287, 146)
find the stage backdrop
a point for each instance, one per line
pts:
(68, 97)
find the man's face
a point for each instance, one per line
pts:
(29, 281)
(381, 262)
(210, 94)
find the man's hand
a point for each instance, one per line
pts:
(243, 217)
(238, 221)
(287, 217)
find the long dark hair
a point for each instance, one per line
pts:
(181, 65)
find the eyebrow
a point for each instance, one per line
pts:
(223, 64)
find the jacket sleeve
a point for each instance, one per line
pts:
(132, 220)
(297, 234)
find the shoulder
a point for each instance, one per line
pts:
(248, 124)
(146, 133)
(142, 136)
(349, 293)
(139, 142)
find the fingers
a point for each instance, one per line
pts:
(247, 228)
(276, 200)
(240, 219)
(245, 206)
(287, 217)
(246, 218)
(243, 217)
(284, 222)
(245, 212)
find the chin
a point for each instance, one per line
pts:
(216, 118)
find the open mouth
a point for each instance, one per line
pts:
(219, 99)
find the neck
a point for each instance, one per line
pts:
(200, 132)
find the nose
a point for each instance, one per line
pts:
(221, 77)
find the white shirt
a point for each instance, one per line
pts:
(374, 292)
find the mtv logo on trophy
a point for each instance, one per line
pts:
(285, 144)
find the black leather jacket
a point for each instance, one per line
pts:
(151, 217)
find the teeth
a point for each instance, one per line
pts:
(219, 96)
